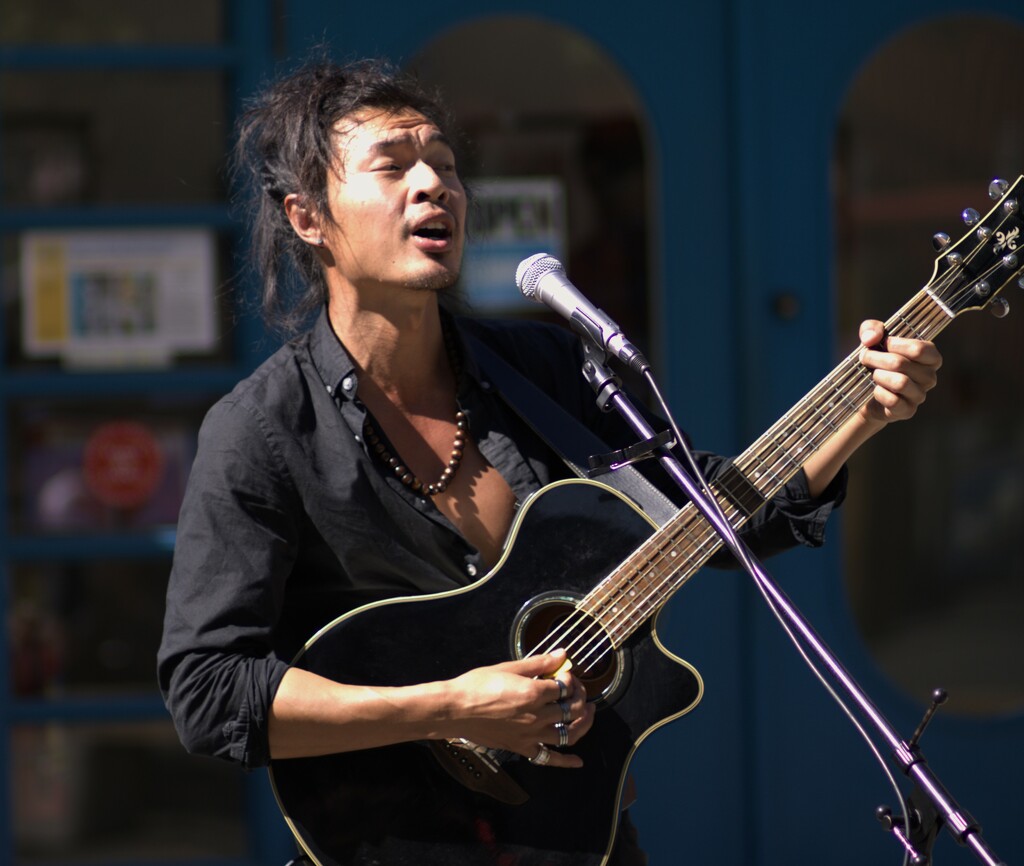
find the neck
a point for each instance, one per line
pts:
(395, 341)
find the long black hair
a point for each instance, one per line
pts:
(287, 143)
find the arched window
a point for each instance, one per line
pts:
(558, 155)
(934, 518)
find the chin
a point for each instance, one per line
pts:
(437, 280)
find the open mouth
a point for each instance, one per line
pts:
(434, 231)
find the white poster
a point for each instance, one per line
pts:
(511, 219)
(117, 297)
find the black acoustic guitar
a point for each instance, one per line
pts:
(582, 569)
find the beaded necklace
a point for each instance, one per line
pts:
(403, 473)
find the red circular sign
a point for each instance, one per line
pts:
(122, 464)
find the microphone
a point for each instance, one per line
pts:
(542, 278)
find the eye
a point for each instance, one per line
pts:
(443, 166)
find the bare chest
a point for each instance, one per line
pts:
(477, 500)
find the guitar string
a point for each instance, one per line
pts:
(643, 614)
(797, 420)
(810, 408)
(662, 550)
(913, 328)
(926, 329)
(803, 413)
(670, 551)
(921, 329)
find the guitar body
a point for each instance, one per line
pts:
(398, 804)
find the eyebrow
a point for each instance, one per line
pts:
(386, 144)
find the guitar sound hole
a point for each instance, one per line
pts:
(555, 622)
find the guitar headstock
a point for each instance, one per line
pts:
(971, 274)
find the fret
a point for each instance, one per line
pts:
(826, 419)
(851, 408)
(782, 453)
(804, 443)
(738, 490)
(758, 475)
(910, 327)
(686, 532)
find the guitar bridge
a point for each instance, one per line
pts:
(479, 769)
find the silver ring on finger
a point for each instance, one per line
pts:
(563, 734)
(563, 690)
(566, 712)
(542, 757)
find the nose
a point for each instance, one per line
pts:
(427, 184)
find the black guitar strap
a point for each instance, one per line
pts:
(569, 438)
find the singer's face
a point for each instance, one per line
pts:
(398, 205)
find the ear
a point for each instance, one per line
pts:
(305, 221)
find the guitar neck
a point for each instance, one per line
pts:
(765, 467)
(655, 571)
(969, 274)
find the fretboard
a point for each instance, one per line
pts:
(655, 571)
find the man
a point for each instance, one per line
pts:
(371, 457)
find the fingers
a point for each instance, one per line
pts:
(525, 704)
(872, 332)
(548, 665)
(903, 371)
(885, 351)
(570, 717)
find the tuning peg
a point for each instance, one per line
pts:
(955, 259)
(1009, 261)
(970, 216)
(1011, 206)
(940, 240)
(982, 289)
(984, 233)
(997, 189)
(999, 307)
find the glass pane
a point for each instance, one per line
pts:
(112, 137)
(940, 604)
(71, 22)
(86, 626)
(100, 466)
(120, 792)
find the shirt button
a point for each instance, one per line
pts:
(471, 569)
(347, 383)
(485, 385)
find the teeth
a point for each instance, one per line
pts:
(434, 224)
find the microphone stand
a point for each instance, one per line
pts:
(939, 806)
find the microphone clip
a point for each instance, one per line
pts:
(602, 463)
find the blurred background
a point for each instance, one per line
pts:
(738, 184)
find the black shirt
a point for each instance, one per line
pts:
(288, 521)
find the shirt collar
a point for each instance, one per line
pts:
(338, 372)
(330, 358)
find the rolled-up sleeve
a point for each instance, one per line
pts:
(791, 518)
(235, 548)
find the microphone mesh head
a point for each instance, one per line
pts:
(530, 271)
